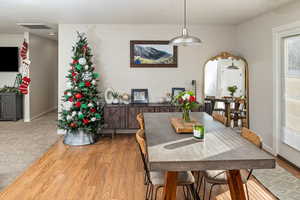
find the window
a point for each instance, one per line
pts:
(293, 56)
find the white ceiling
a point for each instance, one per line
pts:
(53, 12)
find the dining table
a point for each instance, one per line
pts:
(221, 149)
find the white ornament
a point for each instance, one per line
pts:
(69, 94)
(76, 88)
(93, 119)
(69, 117)
(90, 105)
(86, 67)
(68, 105)
(82, 61)
(69, 84)
(80, 113)
(87, 76)
(74, 113)
(94, 82)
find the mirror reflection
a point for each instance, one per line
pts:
(226, 90)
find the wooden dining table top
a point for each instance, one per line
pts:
(222, 148)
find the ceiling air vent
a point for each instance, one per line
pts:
(34, 25)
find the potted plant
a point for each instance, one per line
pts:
(187, 101)
(116, 97)
(81, 115)
(232, 89)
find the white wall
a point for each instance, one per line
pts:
(44, 74)
(110, 46)
(255, 44)
(9, 40)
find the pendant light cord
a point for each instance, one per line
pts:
(184, 17)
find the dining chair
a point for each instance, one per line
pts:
(156, 179)
(220, 118)
(140, 119)
(218, 177)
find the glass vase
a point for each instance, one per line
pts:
(186, 115)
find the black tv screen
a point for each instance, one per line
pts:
(9, 59)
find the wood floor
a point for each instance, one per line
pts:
(108, 170)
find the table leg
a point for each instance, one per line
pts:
(235, 185)
(170, 186)
(227, 113)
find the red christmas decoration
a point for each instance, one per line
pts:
(93, 110)
(87, 84)
(73, 125)
(24, 85)
(71, 99)
(78, 96)
(24, 50)
(74, 74)
(75, 62)
(85, 121)
(74, 79)
(78, 104)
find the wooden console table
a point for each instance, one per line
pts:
(123, 116)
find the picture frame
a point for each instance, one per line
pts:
(139, 96)
(176, 91)
(161, 55)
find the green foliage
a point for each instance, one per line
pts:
(83, 104)
(232, 89)
(8, 89)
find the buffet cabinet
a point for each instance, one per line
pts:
(124, 116)
(11, 106)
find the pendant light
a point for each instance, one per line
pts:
(233, 66)
(185, 39)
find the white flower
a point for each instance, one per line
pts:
(82, 61)
(93, 119)
(69, 117)
(74, 113)
(186, 97)
(86, 67)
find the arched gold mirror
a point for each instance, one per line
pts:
(226, 88)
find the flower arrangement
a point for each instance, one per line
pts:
(187, 101)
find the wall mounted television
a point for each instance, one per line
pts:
(9, 59)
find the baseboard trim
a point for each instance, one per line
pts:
(43, 113)
(269, 149)
(289, 162)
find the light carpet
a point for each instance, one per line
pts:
(22, 143)
(280, 182)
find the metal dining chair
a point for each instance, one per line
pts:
(218, 177)
(156, 179)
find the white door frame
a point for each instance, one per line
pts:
(279, 33)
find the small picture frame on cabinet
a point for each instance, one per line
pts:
(177, 91)
(139, 96)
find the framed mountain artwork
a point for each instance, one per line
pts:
(152, 53)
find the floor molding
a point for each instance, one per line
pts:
(43, 113)
(269, 149)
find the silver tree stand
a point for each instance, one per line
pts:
(78, 137)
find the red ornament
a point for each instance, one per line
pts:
(65, 92)
(87, 84)
(71, 99)
(73, 125)
(78, 96)
(78, 104)
(74, 79)
(93, 110)
(192, 99)
(85, 121)
(74, 74)
(75, 62)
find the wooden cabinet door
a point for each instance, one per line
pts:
(115, 117)
(133, 111)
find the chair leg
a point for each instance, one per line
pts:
(147, 192)
(156, 191)
(211, 188)
(204, 188)
(185, 194)
(247, 191)
(199, 183)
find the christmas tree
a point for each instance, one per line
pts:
(82, 107)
